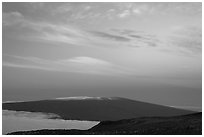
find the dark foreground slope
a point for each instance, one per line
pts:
(177, 125)
(96, 109)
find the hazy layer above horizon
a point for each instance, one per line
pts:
(150, 52)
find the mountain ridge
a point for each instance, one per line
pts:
(95, 108)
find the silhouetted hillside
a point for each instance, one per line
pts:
(96, 109)
(177, 125)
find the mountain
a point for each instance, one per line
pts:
(177, 125)
(95, 108)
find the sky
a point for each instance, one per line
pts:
(150, 52)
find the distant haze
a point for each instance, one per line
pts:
(150, 52)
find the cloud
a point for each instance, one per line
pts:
(138, 38)
(65, 8)
(141, 9)
(36, 115)
(18, 25)
(81, 11)
(82, 64)
(29, 63)
(123, 31)
(188, 38)
(136, 11)
(45, 31)
(182, 8)
(30, 59)
(76, 11)
(66, 34)
(88, 60)
(12, 18)
(132, 9)
(146, 39)
(15, 65)
(109, 36)
(71, 11)
(124, 14)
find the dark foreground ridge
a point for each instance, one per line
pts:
(96, 108)
(177, 125)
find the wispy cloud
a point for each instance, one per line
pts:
(88, 60)
(138, 38)
(81, 64)
(80, 11)
(43, 30)
(136, 11)
(26, 66)
(188, 38)
(67, 34)
(57, 33)
(20, 26)
(123, 31)
(124, 14)
(109, 36)
(27, 62)
(70, 35)
(12, 18)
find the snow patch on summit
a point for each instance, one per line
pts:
(84, 98)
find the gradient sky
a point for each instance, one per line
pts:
(150, 52)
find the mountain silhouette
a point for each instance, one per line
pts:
(95, 108)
